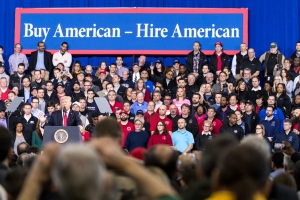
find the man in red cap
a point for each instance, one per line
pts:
(219, 59)
(125, 125)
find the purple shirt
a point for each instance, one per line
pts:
(14, 60)
(121, 70)
(3, 122)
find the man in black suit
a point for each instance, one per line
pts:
(50, 94)
(195, 60)
(37, 58)
(26, 91)
(118, 88)
(63, 117)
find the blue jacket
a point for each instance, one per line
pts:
(291, 138)
(135, 107)
(150, 86)
(278, 114)
(136, 139)
(271, 128)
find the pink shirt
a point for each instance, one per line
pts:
(178, 104)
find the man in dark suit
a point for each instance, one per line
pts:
(40, 59)
(63, 117)
(118, 88)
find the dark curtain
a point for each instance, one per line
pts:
(269, 21)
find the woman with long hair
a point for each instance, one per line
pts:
(277, 80)
(242, 90)
(202, 89)
(76, 68)
(286, 79)
(283, 100)
(37, 136)
(102, 65)
(161, 135)
(128, 95)
(260, 131)
(141, 86)
(180, 99)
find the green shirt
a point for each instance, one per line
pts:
(36, 140)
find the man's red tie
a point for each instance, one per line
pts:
(65, 119)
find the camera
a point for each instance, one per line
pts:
(279, 146)
(279, 66)
(64, 73)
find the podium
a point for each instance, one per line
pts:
(62, 134)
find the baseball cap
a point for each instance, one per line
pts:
(123, 112)
(102, 71)
(33, 88)
(60, 84)
(76, 103)
(76, 82)
(176, 61)
(95, 115)
(273, 45)
(249, 102)
(138, 153)
(139, 112)
(219, 43)
(158, 61)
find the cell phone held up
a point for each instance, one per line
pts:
(279, 146)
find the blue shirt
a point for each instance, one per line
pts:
(278, 114)
(215, 106)
(271, 128)
(291, 138)
(26, 95)
(40, 61)
(181, 140)
(136, 139)
(275, 173)
(136, 106)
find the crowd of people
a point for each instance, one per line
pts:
(168, 117)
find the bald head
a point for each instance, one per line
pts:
(162, 110)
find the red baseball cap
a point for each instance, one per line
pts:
(102, 71)
(219, 43)
(138, 153)
(123, 112)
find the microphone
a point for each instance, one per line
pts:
(64, 109)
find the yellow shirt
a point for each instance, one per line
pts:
(226, 195)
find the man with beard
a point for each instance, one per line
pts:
(83, 110)
(195, 103)
(271, 58)
(125, 125)
(271, 124)
(224, 111)
(232, 128)
(195, 60)
(174, 117)
(16, 78)
(278, 114)
(77, 93)
(191, 122)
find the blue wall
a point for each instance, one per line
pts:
(276, 20)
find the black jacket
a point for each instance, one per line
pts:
(284, 103)
(174, 122)
(239, 60)
(254, 65)
(201, 140)
(169, 86)
(235, 130)
(251, 95)
(190, 62)
(15, 80)
(191, 125)
(47, 61)
(253, 122)
(226, 116)
(53, 97)
(121, 91)
(213, 63)
(76, 96)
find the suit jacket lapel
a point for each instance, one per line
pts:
(70, 117)
(60, 119)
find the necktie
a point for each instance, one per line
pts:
(135, 79)
(65, 119)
